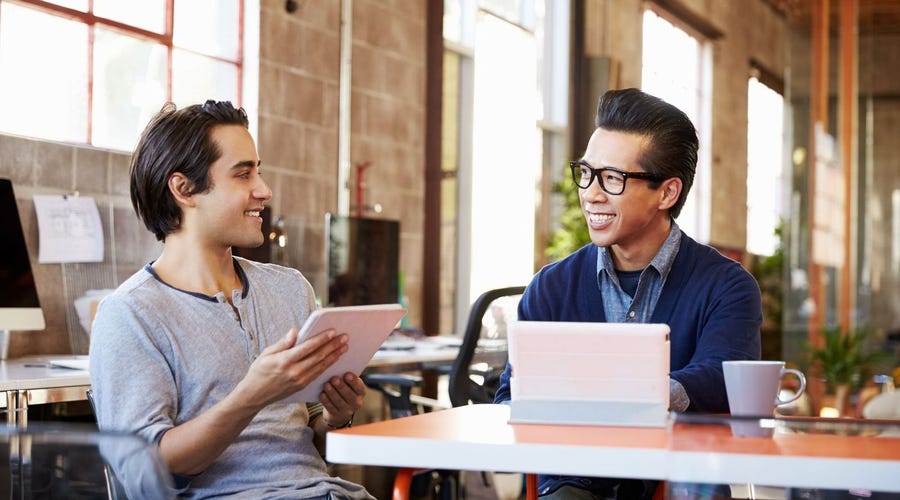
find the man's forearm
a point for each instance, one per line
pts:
(189, 448)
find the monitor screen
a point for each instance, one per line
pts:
(362, 259)
(19, 305)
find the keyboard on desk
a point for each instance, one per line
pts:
(398, 343)
(73, 363)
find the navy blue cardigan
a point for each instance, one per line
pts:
(711, 304)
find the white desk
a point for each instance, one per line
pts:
(478, 437)
(31, 380)
(432, 351)
(425, 351)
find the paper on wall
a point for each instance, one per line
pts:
(69, 229)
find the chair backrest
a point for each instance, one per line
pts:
(115, 490)
(462, 388)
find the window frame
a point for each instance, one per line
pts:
(700, 197)
(165, 39)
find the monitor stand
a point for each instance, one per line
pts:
(4, 343)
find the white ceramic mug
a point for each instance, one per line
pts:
(753, 386)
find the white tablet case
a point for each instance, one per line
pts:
(368, 327)
(589, 373)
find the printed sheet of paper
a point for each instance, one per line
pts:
(69, 229)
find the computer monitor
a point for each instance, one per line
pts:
(362, 259)
(20, 308)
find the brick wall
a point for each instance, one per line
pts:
(298, 122)
(42, 167)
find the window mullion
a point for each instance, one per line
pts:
(90, 82)
(240, 54)
(170, 43)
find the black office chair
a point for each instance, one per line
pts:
(469, 384)
(463, 388)
(114, 488)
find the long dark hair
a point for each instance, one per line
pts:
(176, 141)
(673, 138)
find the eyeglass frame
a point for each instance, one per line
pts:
(575, 166)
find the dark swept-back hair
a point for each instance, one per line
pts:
(673, 143)
(176, 141)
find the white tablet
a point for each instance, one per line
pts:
(589, 373)
(367, 327)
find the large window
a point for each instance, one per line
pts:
(676, 69)
(765, 206)
(494, 138)
(109, 65)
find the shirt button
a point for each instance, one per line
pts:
(631, 314)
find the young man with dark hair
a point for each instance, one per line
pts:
(640, 267)
(195, 351)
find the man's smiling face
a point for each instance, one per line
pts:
(633, 219)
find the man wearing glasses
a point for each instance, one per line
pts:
(632, 182)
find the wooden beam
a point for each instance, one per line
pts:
(434, 76)
(818, 120)
(848, 25)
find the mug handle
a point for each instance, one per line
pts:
(801, 377)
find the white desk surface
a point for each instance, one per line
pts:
(34, 372)
(426, 350)
(478, 437)
(441, 349)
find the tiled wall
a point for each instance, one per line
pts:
(298, 122)
(41, 167)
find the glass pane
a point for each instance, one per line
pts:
(450, 129)
(31, 92)
(764, 167)
(520, 12)
(505, 133)
(147, 14)
(197, 78)
(672, 71)
(208, 26)
(81, 5)
(129, 87)
(459, 21)
(877, 188)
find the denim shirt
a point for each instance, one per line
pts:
(622, 308)
(617, 304)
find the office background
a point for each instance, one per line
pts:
(469, 173)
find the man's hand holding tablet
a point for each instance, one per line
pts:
(367, 328)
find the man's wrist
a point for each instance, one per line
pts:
(346, 424)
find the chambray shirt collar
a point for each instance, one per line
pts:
(662, 261)
(617, 304)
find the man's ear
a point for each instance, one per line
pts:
(182, 189)
(669, 191)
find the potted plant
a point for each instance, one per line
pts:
(843, 362)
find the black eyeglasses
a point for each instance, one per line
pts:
(612, 180)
